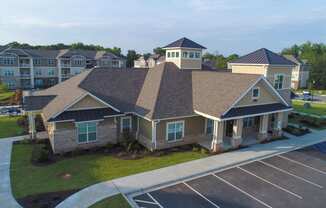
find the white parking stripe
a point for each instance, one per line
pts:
(239, 189)
(146, 202)
(298, 177)
(158, 204)
(302, 164)
(277, 186)
(212, 203)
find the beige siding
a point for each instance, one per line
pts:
(185, 63)
(87, 102)
(286, 70)
(266, 96)
(249, 69)
(64, 137)
(145, 133)
(194, 131)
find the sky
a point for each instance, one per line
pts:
(223, 26)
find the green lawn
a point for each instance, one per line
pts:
(5, 96)
(315, 92)
(117, 201)
(316, 108)
(85, 170)
(9, 127)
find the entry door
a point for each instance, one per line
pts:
(229, 128)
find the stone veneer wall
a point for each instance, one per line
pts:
(64, 138)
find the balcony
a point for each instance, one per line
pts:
(25, 76)
(66, 75)
(24, 65)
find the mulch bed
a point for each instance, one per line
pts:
(45, 200)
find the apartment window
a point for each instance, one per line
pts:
(86, 132)
(51, 61)
(209, 126)
(177, 54)
(51, 72)
(7, 60)
(78, 61)
(255, 93)
(174, 131)
(185, 54)
(38, 72)
(169, 55)
(125, 124)
(9, 73)
(37, 61)
(191, 54)
(248, 122)
(197, 55)
(278, 81)
(11, 84)
(38, 82)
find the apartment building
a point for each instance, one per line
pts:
(300, 74)
(31, 68)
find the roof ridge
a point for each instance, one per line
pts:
(159, 89)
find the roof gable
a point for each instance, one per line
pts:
(184, 43)
(263, 56)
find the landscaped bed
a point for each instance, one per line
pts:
(117, 201)
(9, 126)
(75, 171)
(296, 131)
(307, 121)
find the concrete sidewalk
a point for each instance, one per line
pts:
(6, 198)
(164, 176)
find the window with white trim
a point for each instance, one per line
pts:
(51, 72)
(169, 54)
(177, 54)
(191, 54)
(86, 132)
(185, 54)
(209, 126)
(278, 81)
(255, 93)
(126, 124)
(174, 131)
(9, 73)
(248, 122)
(197, 55)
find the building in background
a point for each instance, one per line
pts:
(33, 68)
(300, 73)
(150, 62)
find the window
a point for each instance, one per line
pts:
(169, 55)
(278, 81)
(174, 131)
(177, 54)
(115, 63)
(9, 73)
(7, 60)
(185, 54)
(51, 72)
(86, 132)
(51, 61)
(11, 84)
(197, 55)
(255, 93)
(209, 126)
(191, 54)
(37, 61)
(38, 82)
(173, 54)
(248, 122)
(38, 72)
(125, 124)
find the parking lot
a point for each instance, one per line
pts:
(294, 179)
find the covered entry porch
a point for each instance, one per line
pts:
(233, 133)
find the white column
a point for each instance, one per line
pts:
(59, 70)
(32, 72)
(154, 123)
(237, 133)
(263, 127)
(31, 124)
(218, 133)
(279, 123)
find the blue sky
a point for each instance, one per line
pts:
(226, 26)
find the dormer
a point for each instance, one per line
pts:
(185, 53)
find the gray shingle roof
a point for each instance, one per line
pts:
(85, 115)
(252, 110)
(263, 56)
(162, 92)
(36, 103)
(184, 43)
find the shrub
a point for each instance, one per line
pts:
(41, 154)
(39, 126)
(203, 151)
(195, 149)
(23, 123)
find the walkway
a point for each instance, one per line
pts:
(164, 176)
(6, 198)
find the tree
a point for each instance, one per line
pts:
(159, 50)
(131, 57)
(219, 60)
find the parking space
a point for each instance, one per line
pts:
(294, 179)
